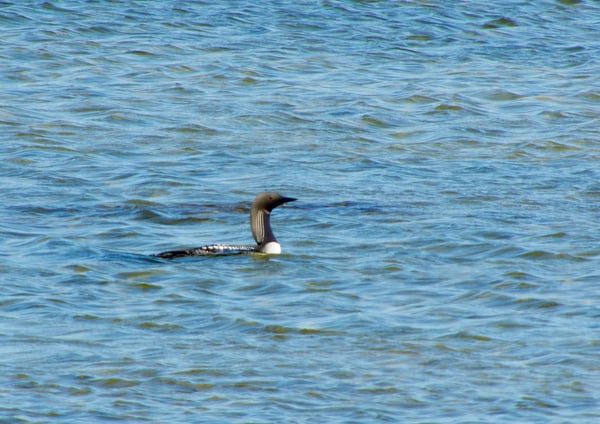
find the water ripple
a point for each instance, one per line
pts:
(438, 266)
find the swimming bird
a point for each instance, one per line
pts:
(260, 223)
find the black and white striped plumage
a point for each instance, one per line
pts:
(260, 223)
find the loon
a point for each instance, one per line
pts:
(260, 223)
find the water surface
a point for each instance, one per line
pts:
(440, 265)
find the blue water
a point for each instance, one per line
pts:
(441, 265)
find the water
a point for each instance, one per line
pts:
(442, 261)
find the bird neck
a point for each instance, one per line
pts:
(261, 227)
